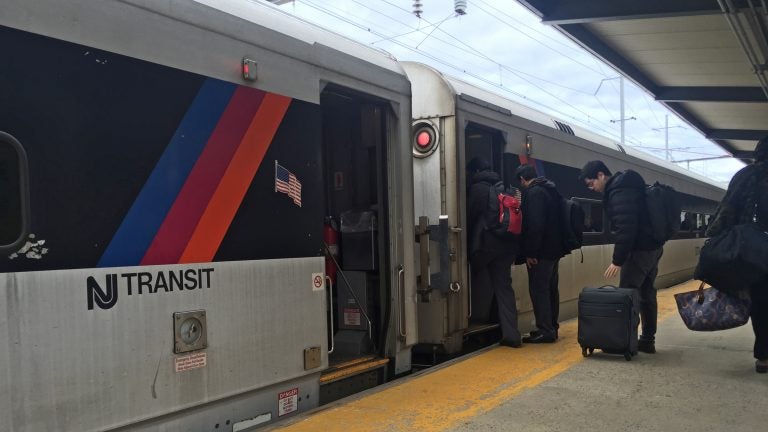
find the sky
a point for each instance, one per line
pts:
(501, 46)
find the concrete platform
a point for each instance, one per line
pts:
(695, 382)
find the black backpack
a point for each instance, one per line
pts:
(504, 218)
(571, 225)
(663, 211)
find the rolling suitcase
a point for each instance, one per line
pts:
(608, 320)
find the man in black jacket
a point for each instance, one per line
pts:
(635, 253)
(542, 247)
(491, 257)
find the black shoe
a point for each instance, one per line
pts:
(646, 346)
(538, 332)
(538, 338)
(510, 344)
(761, 366)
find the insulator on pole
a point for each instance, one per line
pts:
(417, 8)
(460, 6)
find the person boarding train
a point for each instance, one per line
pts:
(491, 258)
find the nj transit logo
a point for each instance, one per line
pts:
(105, 296)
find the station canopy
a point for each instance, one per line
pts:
(703, 59)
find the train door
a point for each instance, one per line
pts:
(487, 144)
(357, 236)
(449, 311)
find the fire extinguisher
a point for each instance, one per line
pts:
(331, 238)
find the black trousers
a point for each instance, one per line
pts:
(639, 272)
(492, 275)
(543, 279)
(759, 316)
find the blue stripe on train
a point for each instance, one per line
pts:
(147, 213)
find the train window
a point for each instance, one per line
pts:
(702, 222)
(696, 225)
(688, 220)
(12, 192)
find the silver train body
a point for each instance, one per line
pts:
(92, 339)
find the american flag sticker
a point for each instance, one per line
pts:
(287, 183)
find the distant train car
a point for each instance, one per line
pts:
(167, 169)
(467, 121)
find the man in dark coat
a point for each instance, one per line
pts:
(491, 257)
(543, 248)
(636, 254)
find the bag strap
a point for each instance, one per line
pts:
(700, 293)
(492, 193)
(755, 215)
(754, 212)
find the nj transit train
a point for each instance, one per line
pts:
(174, 175)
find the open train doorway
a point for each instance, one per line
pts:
(356, 233)
(486, 144)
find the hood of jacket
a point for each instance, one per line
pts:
(490, 177)
(543, 182)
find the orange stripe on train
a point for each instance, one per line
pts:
(214, 223)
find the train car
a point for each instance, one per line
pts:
(454, 122)
(173, 175)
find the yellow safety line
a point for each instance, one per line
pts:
(444, 398)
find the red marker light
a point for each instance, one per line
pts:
(423, 139)
(249, 69)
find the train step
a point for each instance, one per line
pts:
(351, 376)
(480, 328)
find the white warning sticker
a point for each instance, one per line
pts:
(192, 361)
(287, 402)
(318, 282)
(352, 316)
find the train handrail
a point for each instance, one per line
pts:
(401, 302)
(330, 307)
(352, 293)
(469, 295)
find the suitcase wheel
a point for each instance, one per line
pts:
(586, 352)
(627, 356)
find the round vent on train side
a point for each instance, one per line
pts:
(425, 138)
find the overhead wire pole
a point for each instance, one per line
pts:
(621, 119)
(621, 98)
(667, 155)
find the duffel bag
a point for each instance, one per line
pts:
(735, 259)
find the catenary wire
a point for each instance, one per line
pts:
(475, 76)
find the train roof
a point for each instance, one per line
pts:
(459, 87)
(274, 18)
(211, 37)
